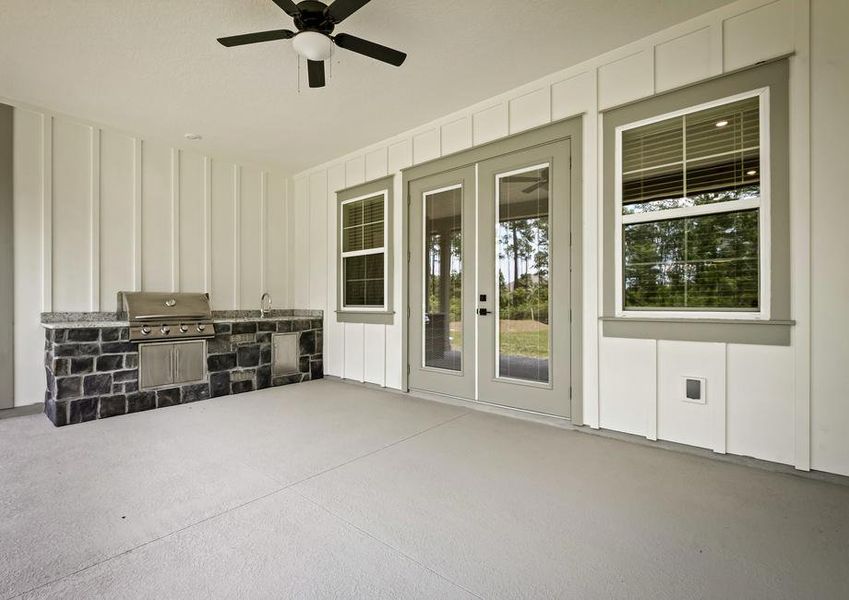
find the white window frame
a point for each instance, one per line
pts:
(762, 204)
(384, 249)
(497, 311)
(424, 366)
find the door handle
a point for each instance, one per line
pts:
(482, 312)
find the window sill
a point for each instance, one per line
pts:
(375, 317)
(774, 332)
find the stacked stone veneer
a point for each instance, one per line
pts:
(92, 372)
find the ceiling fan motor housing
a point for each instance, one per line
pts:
(313, 16)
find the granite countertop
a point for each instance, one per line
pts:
(102, 320)
(84, 324)
(260, 319)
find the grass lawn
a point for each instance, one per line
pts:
(518, 338)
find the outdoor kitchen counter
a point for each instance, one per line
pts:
(93, 367)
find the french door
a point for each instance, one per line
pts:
(489, 281)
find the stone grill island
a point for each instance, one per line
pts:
(93, 369)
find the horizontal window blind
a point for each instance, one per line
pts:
(362, 224)
(699, 158)
(690, 205)
(363, 252)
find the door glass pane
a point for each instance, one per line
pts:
(522, 254)
(443, 273)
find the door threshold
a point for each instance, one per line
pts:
(497, 409)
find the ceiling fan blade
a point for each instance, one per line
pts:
(370, 49)
(315, 70)
(253, 38)
(342, 9)
(288, 6)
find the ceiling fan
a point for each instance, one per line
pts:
(315, 22)
(538, 182)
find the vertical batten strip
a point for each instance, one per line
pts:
(800, 215)
(237, 237)
(263, 224)
(175, 220)
(289, 211)
(717, 54)
(95, 218)
(596, 193)
(590, 270)
(137, 214)
(207, 224)
(720, 443)
(654, 399)
(47, 214)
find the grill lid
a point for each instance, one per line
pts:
(163, 306)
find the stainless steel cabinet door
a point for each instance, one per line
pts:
(156, 365)
(285, 353)
(189, 360)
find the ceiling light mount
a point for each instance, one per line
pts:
(194, 137)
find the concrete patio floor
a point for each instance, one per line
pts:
(331, 490)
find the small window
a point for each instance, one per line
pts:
(365, 253)
(692, 199)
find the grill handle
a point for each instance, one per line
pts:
(172, 317)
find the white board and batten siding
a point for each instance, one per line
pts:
(757, 396)
(98, 211)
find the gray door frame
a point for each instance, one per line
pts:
(461, 383)
(7, 263)
(550, 397)
(569, 129)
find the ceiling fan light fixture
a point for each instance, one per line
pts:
(313, 45)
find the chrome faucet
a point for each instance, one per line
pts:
(264, 305)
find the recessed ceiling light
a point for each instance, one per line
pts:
(721, 123)
(751, 172)
(194, 136)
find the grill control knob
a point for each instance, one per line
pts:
(183, 328)
(165, 329)
(145, 330)
(201, 326)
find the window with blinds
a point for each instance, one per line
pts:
(690, 199)
(364, 252)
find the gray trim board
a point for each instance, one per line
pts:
(352, 315)
(773, 333)
(537, 136)
(22, 411)
(7, 262)
(369, 317)
(775, 76)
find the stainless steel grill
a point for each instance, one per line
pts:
(164, 315)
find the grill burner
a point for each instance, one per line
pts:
(164, 315)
